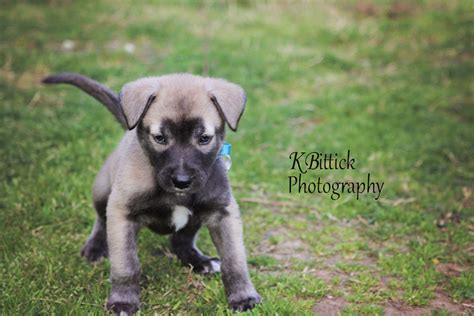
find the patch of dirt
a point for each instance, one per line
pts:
(286, 249)
(283, 244)
(325, 275)
(450, 269)
(397, 9)
(441, 302)
(366, 8)
(334, 305)
(330, 306)
(400, 9)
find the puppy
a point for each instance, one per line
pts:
(166, 174)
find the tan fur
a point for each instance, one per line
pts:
(230, 98)
(188, 93)
(118, 239)
(134, 97)
(191, 94)
(233, 228)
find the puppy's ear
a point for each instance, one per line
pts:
(229, 100)
(135, 99)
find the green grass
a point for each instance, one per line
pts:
(321, 77)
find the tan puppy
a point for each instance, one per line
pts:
(166, 174)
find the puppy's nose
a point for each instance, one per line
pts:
(182, 181)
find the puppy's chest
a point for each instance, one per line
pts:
(163, 218)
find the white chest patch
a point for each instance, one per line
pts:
(180, 217)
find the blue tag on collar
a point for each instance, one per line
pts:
(225, 150)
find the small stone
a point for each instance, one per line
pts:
(129, 48)
(68, 45)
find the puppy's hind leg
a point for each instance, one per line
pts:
(184, 247)
(96, 245)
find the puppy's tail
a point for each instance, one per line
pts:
(100, 92)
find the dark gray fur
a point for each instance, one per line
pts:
(96, 245)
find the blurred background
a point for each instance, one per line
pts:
(389, 80)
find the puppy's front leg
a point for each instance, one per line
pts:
(124, 265)
(226, 233)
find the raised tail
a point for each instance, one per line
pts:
(100, 92)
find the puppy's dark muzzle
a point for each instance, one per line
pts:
(182, 182)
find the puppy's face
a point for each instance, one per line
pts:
(181, 125)
(182, 148)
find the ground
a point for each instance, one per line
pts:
(389, 80)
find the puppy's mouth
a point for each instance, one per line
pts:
(181, 192)
(173, 190)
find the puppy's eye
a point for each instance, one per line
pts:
(160, 139)
(205, 139)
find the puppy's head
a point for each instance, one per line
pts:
(180, 121)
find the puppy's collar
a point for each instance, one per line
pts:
(225, 150)
(225, 154)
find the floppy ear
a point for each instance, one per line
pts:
(229, 100)
(135, 99)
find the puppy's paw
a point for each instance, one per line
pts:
(124, 301)
(94, 250)
(208, 267)
(245, 302)
(122, 309)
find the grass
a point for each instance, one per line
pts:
(392, 83)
